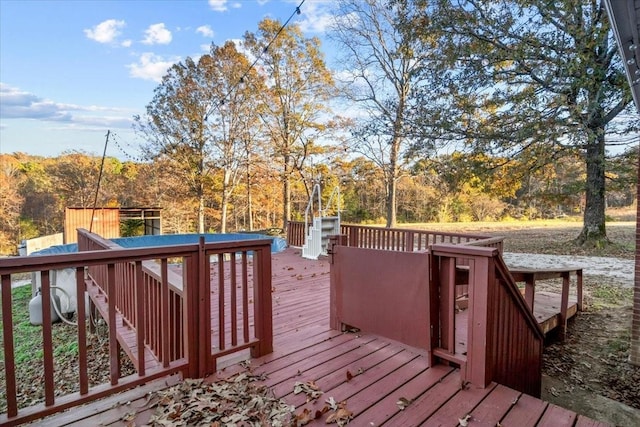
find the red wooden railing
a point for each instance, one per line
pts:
(504, 340)
(152, 275)
(395, 239)
(144, 276)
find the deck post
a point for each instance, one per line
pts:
(190, 317)
(481, 311)
(564, 303)
(262, 303)
(334, 241)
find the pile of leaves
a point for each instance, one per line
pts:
(238, 400)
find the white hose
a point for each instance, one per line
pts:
(57, 310)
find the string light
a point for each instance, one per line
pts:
(252, 66)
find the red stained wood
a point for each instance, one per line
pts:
(493, 407)
(556, 416)
(525, 412)
(459, 406)
(392, 370)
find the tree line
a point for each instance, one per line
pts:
(447, 188)
(524, 96)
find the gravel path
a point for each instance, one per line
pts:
(622, 270)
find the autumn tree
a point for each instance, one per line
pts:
(10, 204)
(383, 64)
(294, 107)
(233, 120)
(523, 75)
(175, 127)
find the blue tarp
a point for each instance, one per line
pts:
(278, 244)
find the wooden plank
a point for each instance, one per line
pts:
(556, 416)
(346, 356)
(86, 415)
(493, 408)
(384, 409)
(525, 412)
(459, 406)
(372, 367)
(424, 406)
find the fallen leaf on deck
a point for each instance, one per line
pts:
(309, 388)
(403, 402)
(303, 417)
(341, 417)
(332, 403)
(464, 422)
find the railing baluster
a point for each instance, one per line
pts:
(82, 331)
(140, 316)
(164, 310)
(9, 351)
(114, 346)
(221, 317)
(245, 297)
(47, 340)
(234, 302)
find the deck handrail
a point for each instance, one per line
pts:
(504, 342)
(397, 239)
(199, 358)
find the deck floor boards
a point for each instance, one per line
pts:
(370, 372)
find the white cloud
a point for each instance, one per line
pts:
(262, 2)
(218, 5)
(106, 31)
(205, 30)
(317, 16)
(157, 34)
(18, 104)
(151, 67)
(126, 43)
(236, 5)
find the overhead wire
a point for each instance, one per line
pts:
(95, 200)
(222, 100)
(255, 61)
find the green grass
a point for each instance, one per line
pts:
(27, 338)
(608, 296)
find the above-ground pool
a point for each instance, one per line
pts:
(278, 244)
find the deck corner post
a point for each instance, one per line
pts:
(334, 243)
(480, 340)
(191, 278)
(262, 303)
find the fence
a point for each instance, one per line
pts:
(146, 306)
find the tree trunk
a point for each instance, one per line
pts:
(224, 207)
(249, 203)
(392, 178)
(286, 195)
(593, 230)
(201, 214)
(634, 350)
(391, 203)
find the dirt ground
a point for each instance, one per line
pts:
(589, 371)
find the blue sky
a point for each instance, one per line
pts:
(71, 70)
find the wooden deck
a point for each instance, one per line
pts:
(370, 372)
